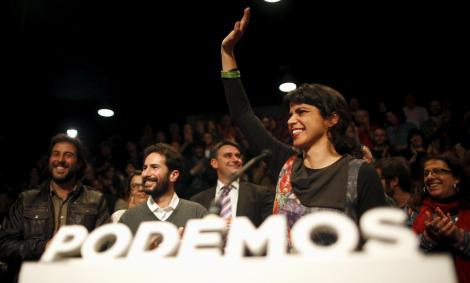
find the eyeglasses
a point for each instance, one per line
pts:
(437, 171)
(136, 186)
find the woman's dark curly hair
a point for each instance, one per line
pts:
(329, 102)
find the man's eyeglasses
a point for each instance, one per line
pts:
(437, 171)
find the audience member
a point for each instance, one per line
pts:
(441, 215)
(246, 199)
(135, 195)
(161, 170)
(62, 200)
(395, 176)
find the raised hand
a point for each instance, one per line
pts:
(229, 42)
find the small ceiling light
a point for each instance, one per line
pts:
(272, 1)
(287, 86)
(73, 133)
(104, 112)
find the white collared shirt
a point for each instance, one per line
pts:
(233, 194)
(163, 213)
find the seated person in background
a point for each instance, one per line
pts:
(381, 148)
(398, 131)
(136, 193)
(395, 176)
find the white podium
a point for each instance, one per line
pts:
(390, 253)
(356, 268)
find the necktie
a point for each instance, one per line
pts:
(225, 203)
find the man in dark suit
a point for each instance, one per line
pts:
(247, 199)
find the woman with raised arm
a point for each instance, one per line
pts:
(316, 172)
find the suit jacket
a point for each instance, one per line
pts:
(254, 202)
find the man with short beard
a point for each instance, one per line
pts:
(162, 167)
(61, 200)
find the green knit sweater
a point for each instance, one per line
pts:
(184, 211)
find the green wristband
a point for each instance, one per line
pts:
(230, 74)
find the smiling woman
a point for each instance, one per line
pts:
(440, 181)
(441, 212)
(316, 172)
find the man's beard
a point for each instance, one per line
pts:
(62, 179)
(159, 189)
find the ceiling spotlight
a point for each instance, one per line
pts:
(72, 133)
(272, 1)
(287, 86)
(104, 112)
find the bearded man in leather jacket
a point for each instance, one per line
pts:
(61, 200)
